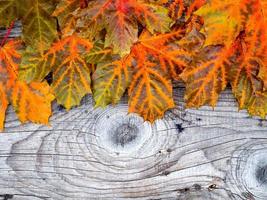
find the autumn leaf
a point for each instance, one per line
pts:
(245, 80)
(111, 79)
(120, 19)
(258, 105)
(8, 12)
(30, 99)
(154, 18)
(39, 27)
(71, 78)
(66, 60)
(219, 16)
(64, 14)
(98, 53)
(27, 99)
(171, 57)
(156, 57)
(246, 75)
(150, 92)
(207, 76)
(178, 8)
(122, 32)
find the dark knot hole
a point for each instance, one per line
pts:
(124, 134)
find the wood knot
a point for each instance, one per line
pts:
(261, 175)
(249, 169)
(124, 134)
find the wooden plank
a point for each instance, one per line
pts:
(89, 153)
(92, 153)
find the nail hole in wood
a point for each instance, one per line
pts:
(212, 187)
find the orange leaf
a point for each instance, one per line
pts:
(119, 18)
(150, 91)
(71, 74)
(32, 102)
(207, 76)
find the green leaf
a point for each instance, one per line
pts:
(39, 27)
(98, 53)
(110, 81)
(34, 65)
(8, 12)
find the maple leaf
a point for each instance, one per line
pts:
(251, 45)
(258, 105)
(150, 92)
(122, 32)
(71, 74)
(111, 79)
(207, 76)
(30, 99)
(246, 82)
(158, 59)
(8, 12)
(220, 15)
(178, 8)
(98, 53)
(27, 99)
(64, 14)
(39, 27)
(171, 56)
(120, 18)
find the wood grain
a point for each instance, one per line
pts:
(107, 153)
(89, 153)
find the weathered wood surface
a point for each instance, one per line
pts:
(108, 154)
(89, 153)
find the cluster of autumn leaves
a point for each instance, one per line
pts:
(109, 47)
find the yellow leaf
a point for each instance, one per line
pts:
(32, 102)
(258, 105)
(71, 74)
(220, 26)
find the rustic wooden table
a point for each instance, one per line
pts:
(89, 153)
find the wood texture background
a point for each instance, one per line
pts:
(89, 153)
